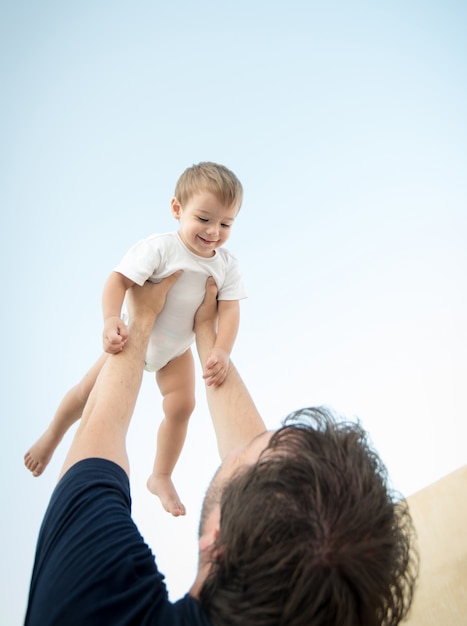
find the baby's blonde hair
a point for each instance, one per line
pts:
(212, 177)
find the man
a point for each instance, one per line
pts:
(298, 526)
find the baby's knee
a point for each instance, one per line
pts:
(187, 406)
(179, 407)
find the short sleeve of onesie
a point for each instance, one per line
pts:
(140, 262)
(233, 287)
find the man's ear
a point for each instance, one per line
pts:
(176, 208)
(208, 540)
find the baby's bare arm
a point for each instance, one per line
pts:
(228, 312)
(115, 333)
(217, 362)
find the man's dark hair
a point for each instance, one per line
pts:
(312, 535)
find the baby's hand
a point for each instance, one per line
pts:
(216, 367)
(115, 335)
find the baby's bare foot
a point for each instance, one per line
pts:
(38, 456)
(163, 487)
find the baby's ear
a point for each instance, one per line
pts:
(176, 208)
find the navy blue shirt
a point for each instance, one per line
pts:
(92, 566)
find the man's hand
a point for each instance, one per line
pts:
(149, 300)
(115, 335)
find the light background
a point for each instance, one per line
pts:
(345, 121)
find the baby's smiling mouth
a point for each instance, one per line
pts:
(206, 241)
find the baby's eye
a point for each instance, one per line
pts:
(203, 219)
(225, 225)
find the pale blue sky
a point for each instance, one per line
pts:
(345, 122)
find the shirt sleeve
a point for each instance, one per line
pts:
(141, 261)
(92, 565)
(233, 287)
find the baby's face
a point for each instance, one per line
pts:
(205, 223)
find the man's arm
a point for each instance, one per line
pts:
(107, 414)
(235, 417)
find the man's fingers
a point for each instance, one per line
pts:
(151, 295)
(164, 286)
(208, 308)
(211, 291)
(170, 280)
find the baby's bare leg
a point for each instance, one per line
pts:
(69, 411)
(177, 383)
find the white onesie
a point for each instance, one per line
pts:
(161, 255)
